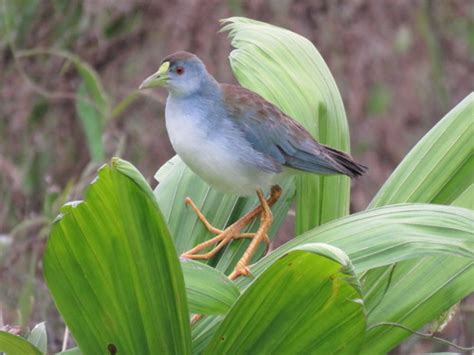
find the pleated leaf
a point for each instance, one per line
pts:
(382, 236)
(412, 293)
(39, 338)
(209, 291)
(439, 169)
(177, 181)
(16, 345)
(286, 69)
(376, 238)
(306, 302)
(112, 269)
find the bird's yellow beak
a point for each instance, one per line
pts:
(158, 79)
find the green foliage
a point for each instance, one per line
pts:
(382, 237)
(21, 24)
(437, 170)
(278, 312)
(113, 272)
(376, 239)
(390, 234)
(39, 338)
(209, 291)
(111, 261)
(16, 345)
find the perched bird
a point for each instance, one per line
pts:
(238, 143)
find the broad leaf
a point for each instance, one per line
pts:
(286, 69)
(386, 235)
(437, 170)
(113, 272)
(308, 301)
(375, 238)
(209, 291)
(412, 293)
(39, 338)
(16, 345)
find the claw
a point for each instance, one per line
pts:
(240, 271)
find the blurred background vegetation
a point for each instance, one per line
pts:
(68, 77)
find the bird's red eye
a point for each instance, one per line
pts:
(179, 70)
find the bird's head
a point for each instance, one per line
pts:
(182, 73)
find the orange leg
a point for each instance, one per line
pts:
(266, 221)
(201, 216)
(266, 240)
(233, 231)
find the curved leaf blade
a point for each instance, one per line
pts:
(386, 235)
(39, 338)
(437, 170)
(376, 238)
(113, 272)
(286, 69)
(209, 291)
(412, 293)
(16, 345)
(312, 284)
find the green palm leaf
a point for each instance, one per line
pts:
(437, 170)
(394, 233)
(376, 238)
(209, 291)
(113, 272)
(282, 311)
(16, 345)
(39, 338)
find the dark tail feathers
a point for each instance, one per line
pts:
(344, 162)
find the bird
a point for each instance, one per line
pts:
(238, 143)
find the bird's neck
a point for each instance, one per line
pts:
(206, 88)
(202, 104)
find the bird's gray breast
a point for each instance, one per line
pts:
(212, 147)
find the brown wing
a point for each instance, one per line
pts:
(277, 135)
